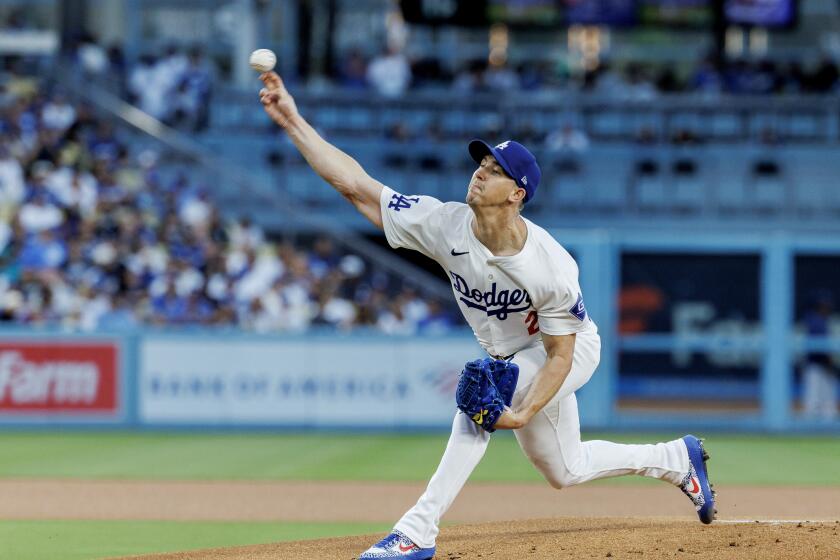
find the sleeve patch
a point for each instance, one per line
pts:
(578, 309)
(401, 202)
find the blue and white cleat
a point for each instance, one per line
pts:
(397, 545)
(696, 484)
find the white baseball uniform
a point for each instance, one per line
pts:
(508, 301)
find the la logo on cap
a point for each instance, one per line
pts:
(524, 180)
(503, 145)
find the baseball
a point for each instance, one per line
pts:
(262, 60)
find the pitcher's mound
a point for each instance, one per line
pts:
(577, 538)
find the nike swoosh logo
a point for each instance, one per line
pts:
(407, 548)
(695, 489)
(455, 253)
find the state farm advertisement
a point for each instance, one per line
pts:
(58, 377)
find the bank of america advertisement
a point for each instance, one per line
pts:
(386, 382)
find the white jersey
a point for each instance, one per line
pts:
(508, 301)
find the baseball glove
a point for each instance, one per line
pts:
(485, 388)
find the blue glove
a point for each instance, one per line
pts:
(485, 388)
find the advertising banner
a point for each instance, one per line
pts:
(302, 383)
(50, 377)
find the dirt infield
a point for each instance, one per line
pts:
(596, 521)
(565, 538)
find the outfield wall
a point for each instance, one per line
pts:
(224, 379)
(700, 331)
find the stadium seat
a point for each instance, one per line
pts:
(731, 196)
(766, 186)
(648, 186)
(687, 188)
(566, 193)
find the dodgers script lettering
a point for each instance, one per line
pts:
(495, 302)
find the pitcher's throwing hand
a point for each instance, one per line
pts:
(276, 100)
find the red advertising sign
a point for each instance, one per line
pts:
(58, 377)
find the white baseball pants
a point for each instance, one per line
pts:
(551, 440)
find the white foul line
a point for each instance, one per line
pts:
(774, 521)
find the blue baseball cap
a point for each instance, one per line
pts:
(515, 159)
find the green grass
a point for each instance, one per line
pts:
(86, 540)
(741, 459)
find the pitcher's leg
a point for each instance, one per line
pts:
(464, 451)
(552, 442)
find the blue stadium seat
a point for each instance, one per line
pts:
(608, 185)
(730, 195)
(651, 192)
(768, 190)
(565, 193)
(687, 181)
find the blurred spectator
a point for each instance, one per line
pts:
(389, 73)
(12, 187)
(90, 56)
(605, 80)
(566, 146)
(638, 84)
(413, 307)
(323, 257)
(245, 235)
(428, 72)
(192, 108)
(171, 68)
(394, 321)
(792, 78)
(195, 210)
(353, 70)
(825, 78)
(470, 78)
(58, 114)
(707, 76)
(568, 140)
(42, 251)
(39, 214)
(333, 309)
(146, 89)
(820, 376)
(120, 316)
(437, 319)
(667, 81)
(532, 76)
(765, 78)
(500, 77)
(20, 86)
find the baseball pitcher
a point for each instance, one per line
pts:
(518, 290)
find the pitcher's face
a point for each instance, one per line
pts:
(490, 185)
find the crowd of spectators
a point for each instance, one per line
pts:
(392, 73)
(174, 86)
(95, 236)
